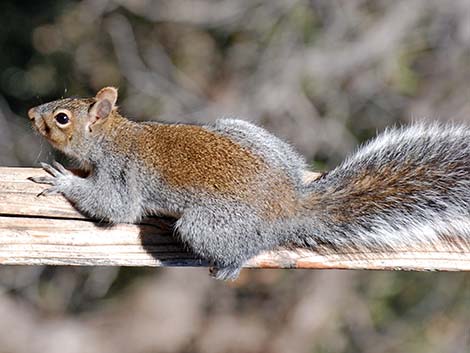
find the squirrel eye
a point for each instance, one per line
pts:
(62, 118)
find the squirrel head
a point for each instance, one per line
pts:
(71, 124)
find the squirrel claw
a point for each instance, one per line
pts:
(57, 174)
(49, 191)
(48, 181)
(225, 273)
(42, 180)
(55, 169)
(61, 168)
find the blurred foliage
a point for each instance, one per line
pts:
(325, 75)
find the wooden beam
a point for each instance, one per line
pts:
(49, 231)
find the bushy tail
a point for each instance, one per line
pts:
(407, 188)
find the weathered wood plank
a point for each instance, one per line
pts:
(18, 196)
(48, 230)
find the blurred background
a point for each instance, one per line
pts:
(324, 75)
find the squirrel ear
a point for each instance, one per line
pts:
(108, 93)
(105, 101)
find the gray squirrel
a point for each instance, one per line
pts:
(237, 190)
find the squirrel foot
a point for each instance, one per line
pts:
(58, 175)
(225, 273)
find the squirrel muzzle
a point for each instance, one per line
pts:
(33, 114)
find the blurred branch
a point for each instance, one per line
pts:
(5, 132)
(139, 74)
(379, 43)
(202, 12)
(48, 230)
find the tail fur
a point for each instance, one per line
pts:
(407, 187)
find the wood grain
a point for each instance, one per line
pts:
(48, 230)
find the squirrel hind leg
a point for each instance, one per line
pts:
(225, 239)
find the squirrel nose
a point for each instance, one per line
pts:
(32, 114)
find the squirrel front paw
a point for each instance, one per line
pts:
(60, 177)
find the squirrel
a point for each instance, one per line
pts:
(237, 190)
